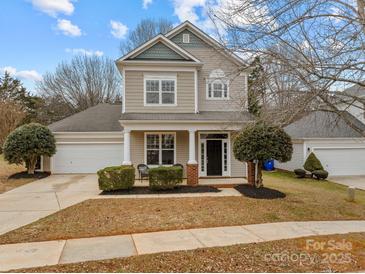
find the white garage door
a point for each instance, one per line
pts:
(86, 158)
(342, 161)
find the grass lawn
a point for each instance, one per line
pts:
(239, 258)
(306, 199)
(6, 170)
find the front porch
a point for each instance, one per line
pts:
(206, 155)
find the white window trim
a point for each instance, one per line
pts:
(159, 78)
(211, 80)
(228, 140)
(160, 147)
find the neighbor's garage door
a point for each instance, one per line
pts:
(342, 161)
(86, 158)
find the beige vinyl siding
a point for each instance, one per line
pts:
(297, 159)
(138, 152)
(134, 94)
(213, 59)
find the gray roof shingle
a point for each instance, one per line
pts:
(321, 124)
(100, 118)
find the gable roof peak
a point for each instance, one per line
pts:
(206, 38)
(159, 38)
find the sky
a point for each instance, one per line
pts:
(36, 35)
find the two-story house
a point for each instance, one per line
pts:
(184, 97)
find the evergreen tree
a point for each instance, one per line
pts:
(256, 87)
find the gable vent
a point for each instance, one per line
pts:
(186, 38)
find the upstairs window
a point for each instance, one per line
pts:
(160, 90)
(217, 86)
(186, 38)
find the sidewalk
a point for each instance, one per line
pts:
(14, 256)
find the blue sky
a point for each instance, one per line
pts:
(38, 34)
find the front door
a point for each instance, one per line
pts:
(214, 157)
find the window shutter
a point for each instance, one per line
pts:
(209, 90)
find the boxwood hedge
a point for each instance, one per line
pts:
(116, 178)
(161, 178)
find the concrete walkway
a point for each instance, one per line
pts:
(30, 202)
(15, 256)
(354, 181)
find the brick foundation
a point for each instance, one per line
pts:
(250, 173)
(192, 173)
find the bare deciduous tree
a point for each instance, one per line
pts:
(310, 50)
(145, 30)
(84, 82)
(11, 115)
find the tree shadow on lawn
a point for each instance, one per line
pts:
(259, 193)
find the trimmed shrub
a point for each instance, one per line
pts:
(320, 174)
(116, 178)
(300, 172)
(312, 163)
(161, 178)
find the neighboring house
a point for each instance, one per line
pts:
(354, 102)
(184, 97)
(339, 147)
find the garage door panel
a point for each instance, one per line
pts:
(86, 158)
(342, 161)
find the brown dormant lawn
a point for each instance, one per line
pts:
(306, 199)
(261, 257)
(6, 170)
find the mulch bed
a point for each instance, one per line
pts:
(25, 175)
(177, 190)
(259, 193)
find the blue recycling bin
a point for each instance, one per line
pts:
(269, 165)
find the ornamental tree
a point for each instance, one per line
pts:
(28, 142)
(259, 142)
(312, 163)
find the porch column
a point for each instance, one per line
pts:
(192, 165)
(127, 148)
(192, 159)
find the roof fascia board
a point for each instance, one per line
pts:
(179, 121)
(201, 34)
(166, 63)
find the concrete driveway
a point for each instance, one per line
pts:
(356, 181)
(38, 199)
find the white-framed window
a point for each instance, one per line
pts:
(160, 148)
(186, 38)
(160, 90)
(217, 86)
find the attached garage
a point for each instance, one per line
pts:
(86, 158)
(87, 141)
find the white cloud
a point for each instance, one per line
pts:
(185, 9)
(86, 52)
(119, 30)
(146, 3)
(32, 75)
(53, 7)
(68, 28)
